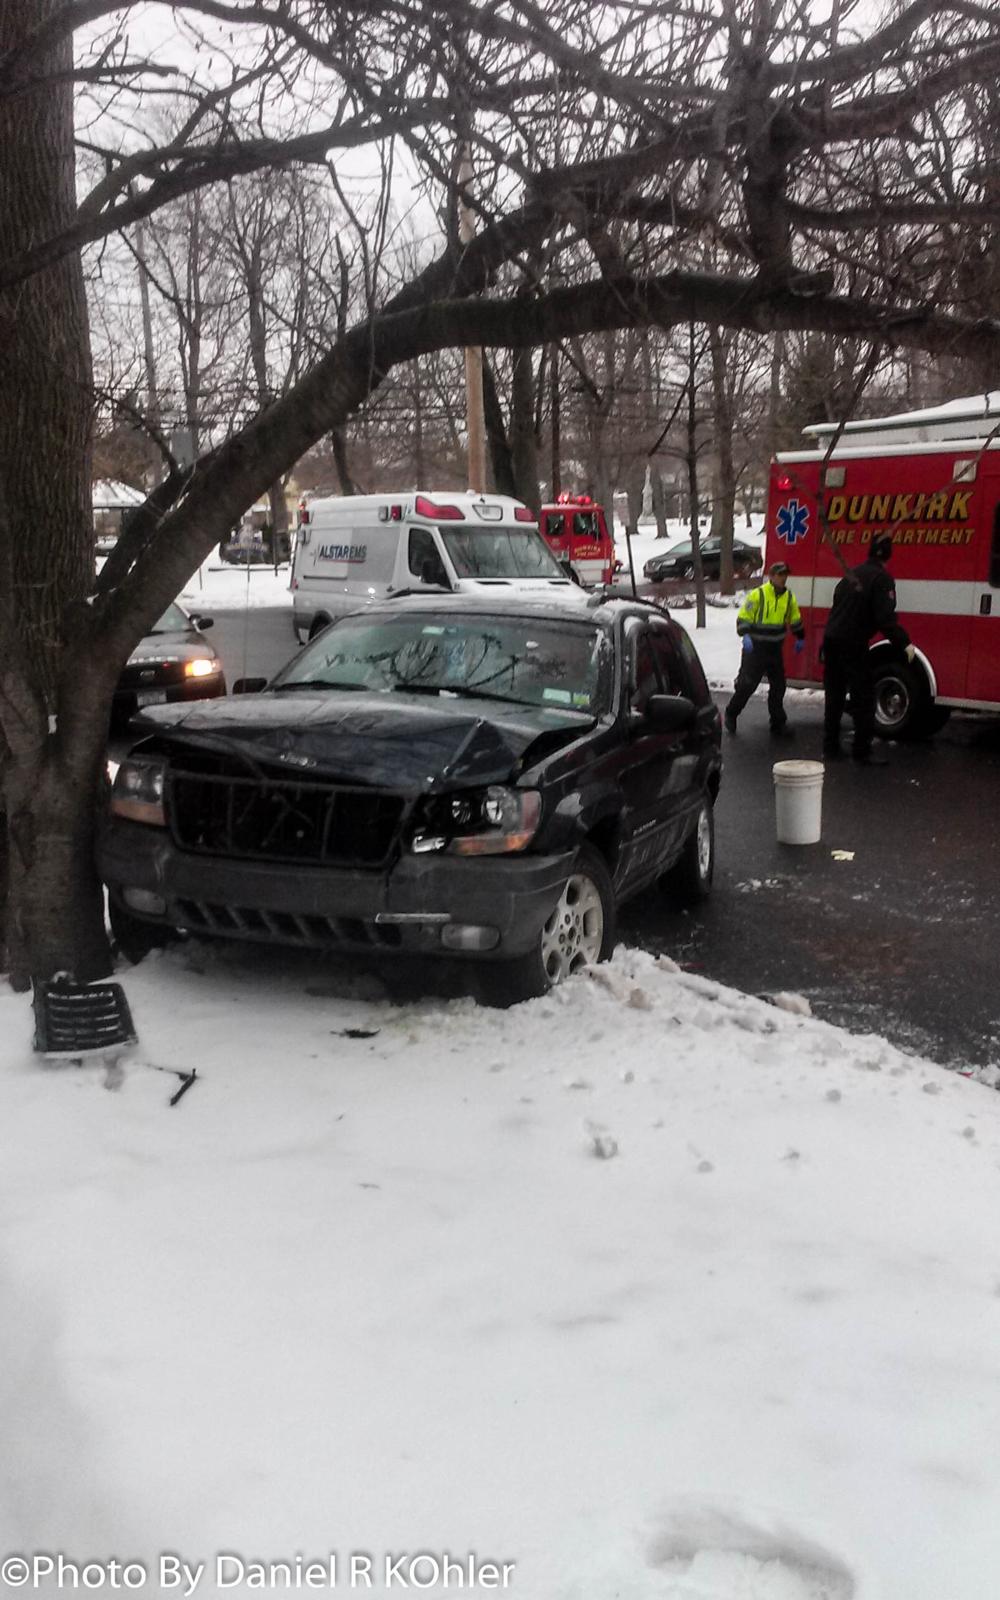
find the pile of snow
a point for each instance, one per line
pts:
(650, 1289)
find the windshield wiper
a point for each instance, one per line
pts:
(460, 689)
(317, 683)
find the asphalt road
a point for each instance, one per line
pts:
(902, 939)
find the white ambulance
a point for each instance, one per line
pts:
(351, 551)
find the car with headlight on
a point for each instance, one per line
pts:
(173, 662)
(679, 562)
(436, 776)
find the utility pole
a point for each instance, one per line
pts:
(152, 391)
(475, 420)
(556, 472)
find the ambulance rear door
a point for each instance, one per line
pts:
(793, 536)
(983, 675)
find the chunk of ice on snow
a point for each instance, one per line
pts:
(796, 1003)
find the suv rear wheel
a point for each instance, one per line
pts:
(690, 878)
(579, 932)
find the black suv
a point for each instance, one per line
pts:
(429, 775)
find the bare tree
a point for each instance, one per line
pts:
(781, 160)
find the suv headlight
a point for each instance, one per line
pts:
(480, 822)
(138, 790)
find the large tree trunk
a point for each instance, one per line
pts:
(50, 755)
(501, 459)
(724, 502)
(523, 443)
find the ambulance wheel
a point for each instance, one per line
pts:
(903, 706)
(317, 628)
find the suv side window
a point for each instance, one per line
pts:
(693, 670)
(424, 557)
(644, 677)
(668, 659)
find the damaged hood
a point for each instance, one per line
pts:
(392, 741)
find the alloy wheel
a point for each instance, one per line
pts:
(573, 935)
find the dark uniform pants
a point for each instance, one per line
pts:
(847, 669)
(763, 661)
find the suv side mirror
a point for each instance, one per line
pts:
(249, 685)
(670, 713)
(201, 623)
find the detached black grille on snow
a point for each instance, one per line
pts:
(221, 815)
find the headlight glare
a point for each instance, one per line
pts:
(201, 668)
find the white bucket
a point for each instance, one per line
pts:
(798, 801)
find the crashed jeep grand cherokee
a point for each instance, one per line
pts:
(428, 776)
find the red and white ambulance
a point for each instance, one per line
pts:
(932, 480)
(576, 530)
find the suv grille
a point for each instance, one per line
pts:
(277, 820)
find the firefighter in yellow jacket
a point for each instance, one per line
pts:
(766, 615)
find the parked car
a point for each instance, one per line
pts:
(438, 775)
(173, 662)
(679, 562)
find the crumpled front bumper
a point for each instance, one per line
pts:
(405, 907)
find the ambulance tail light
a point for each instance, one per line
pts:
(430, 508)
(524, 514)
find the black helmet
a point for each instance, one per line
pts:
(882, 546)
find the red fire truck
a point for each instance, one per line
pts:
(576, 530)
(932, 479)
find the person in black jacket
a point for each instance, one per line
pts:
(864, 604)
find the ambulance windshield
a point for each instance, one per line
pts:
(499, 553)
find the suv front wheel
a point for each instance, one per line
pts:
(579, 932)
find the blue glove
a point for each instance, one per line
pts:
(747, 644)
(800, 645)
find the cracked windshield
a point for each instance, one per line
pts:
(520, 660)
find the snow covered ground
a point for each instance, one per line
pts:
(232, 588)
(652, 1289)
